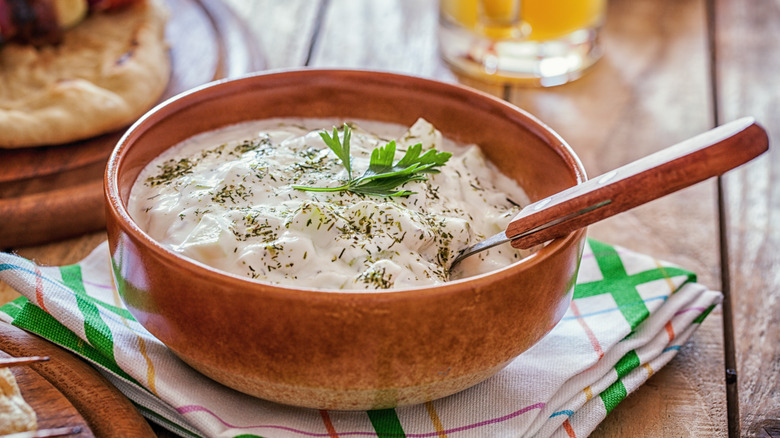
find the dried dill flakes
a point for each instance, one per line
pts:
(265, 231)
(175, 169)
(217, 152)
(443, 256)
(378, 278)
(170, 171)
(231, 193)
(431, 192)
(250, 145)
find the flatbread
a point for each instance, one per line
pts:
(15, 414)
(107, 72)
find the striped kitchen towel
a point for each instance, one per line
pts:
(630, 315)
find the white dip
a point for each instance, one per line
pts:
(225, 198)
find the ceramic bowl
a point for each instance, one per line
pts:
(328, 349)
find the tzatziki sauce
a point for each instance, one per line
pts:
(226, 198)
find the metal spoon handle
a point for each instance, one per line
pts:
(684, 164)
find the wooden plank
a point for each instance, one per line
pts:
(284, 29)
(393, 35)
(746, 39)
(398, 36)
(650, 91)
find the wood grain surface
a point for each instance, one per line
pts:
(54, 192)
(51, 407)
(649, 91)
(655, 86)
(746, 61)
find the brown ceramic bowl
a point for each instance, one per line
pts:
(345, 350)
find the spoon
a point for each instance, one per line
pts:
(706, 155)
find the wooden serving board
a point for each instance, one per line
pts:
(51, 407)
(65, 391)
(50, 193)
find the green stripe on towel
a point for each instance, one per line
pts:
(96, 330)
(33, 319)
(386, 423)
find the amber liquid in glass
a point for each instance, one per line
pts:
(538, 42)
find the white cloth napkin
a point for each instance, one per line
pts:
(630, 315)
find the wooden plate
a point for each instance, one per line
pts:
(50, 193)
(52, 408)
(65, 391)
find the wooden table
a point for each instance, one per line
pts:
(672, 69)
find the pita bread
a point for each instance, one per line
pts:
(15, 414)
(107, 72)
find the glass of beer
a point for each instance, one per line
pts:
(533, 42)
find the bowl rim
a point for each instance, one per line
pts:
(116, 209)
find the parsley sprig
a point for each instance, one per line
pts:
(382, 176)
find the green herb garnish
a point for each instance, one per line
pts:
(382, 176)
